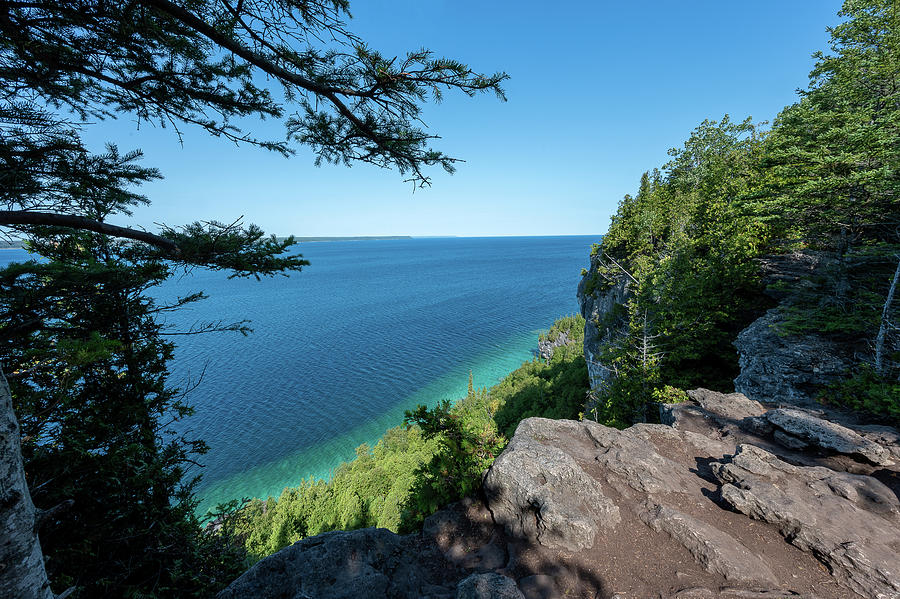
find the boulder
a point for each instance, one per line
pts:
(359, 564)
(536, 489)
(726, 407)
(488, 586)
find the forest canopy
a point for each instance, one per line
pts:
(824, 179)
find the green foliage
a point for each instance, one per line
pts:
(686, 249)
(571, 326)
(830, 162)
(88, 366)
(845, 301)
(866, 391)
(467, 445)
(371, 490)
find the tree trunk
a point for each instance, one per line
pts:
(22, 573)
(885, 318)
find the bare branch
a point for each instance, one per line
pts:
(27, 217)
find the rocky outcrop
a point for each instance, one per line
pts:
(355, 564)
(673, 481)
(849, 522)
(541, 492)
(803, 428)
(546, 346)
(790, 369)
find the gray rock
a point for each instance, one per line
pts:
(546, 346)
(789, 441)
(708, 409)
(537, 490)
(886, 436)
(849, 522)
(360, 564)
(726, 408)
(636, 460)
(717, 551)
(827, 435)
(488, 586)
(758, 425)
(786, 369)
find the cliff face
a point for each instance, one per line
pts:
(781, 368)
(598, 300)
(774, 367)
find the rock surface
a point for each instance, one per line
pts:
(371, 562)
(546, 346)
(827, 435)
(541, 492)
(790, 370)
(849, 522)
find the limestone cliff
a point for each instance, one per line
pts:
(598, 299)
(789, 368)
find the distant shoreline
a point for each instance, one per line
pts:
(352, 238)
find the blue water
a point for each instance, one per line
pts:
(339, 351)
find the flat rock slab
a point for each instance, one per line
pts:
(726, 407)
(827, 435)
(849, 522)
(718, 552)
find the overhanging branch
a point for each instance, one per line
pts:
(27, 217)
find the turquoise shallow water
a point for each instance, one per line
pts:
(368, 330)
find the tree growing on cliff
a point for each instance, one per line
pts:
(825, 178)
(176, 63)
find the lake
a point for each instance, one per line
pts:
(368, 330)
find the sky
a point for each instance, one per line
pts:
(598, 92)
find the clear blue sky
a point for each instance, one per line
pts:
(598, 92)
